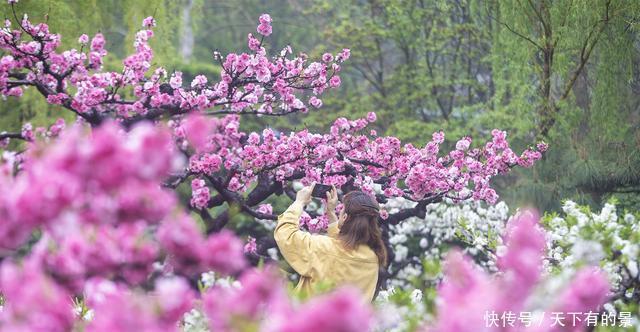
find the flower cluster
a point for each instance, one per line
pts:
(33, 302)
(120, 309)
(100, 213)
(250, 246)
(191, 253)
(466, 293)
(261, 300)
(249, 82)
(419, 244)
(200, 194)
(345, 154)
(109, 179)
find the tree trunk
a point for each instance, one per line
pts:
(187, 40)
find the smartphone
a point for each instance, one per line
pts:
(320, 190)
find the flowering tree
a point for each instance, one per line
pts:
(89, 209)
(225, 165)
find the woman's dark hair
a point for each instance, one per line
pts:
(361, 226)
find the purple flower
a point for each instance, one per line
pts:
(327, 57)
(315, 102)
(348, 312)
(463, 144)
(33, 302)
(149, 22)
(371, 117)
(264, 29)
(84, 39)
(199, 81)
(250, 246)
(438, 137)
(334, 81)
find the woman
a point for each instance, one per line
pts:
(351, 253)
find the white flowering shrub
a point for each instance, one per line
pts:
(399, 310)
(609, 239)
(420, 244)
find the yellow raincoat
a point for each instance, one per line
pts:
(320, 258)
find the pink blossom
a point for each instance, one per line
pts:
(97, 43)
(334, 81)
(33, 302)
(15, 92)
(327, 57)
(344, 55)
(82, 174)
(264, 28)
(371, 117)
(200, 194)
(224, 253)
(149, 22)
(499, 138)
(75, 255)
(315, 102)
(57, 99)
(57, 127)
(588, 290)
(522, 262)
(191, 253)
(464, 296)
(199, 80)
(463, 144)
(348, 312)
(182, 240)
(314, 225)
(438, 137)
(27, 132)
(262, 295)
(467, 294)
(84, 39)
(121, 310)
(253, 43)
(265, 18)
(265, 208)
(198, 128)
(250, 246)
(176, 80)
(542, 146)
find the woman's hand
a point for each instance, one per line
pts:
(332, 202)
(332, 199)
(304, 195)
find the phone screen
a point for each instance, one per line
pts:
(320, 190)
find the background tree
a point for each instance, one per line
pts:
(582, 60)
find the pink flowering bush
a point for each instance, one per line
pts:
(120, 309)
(262, 302)
(33, 302)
